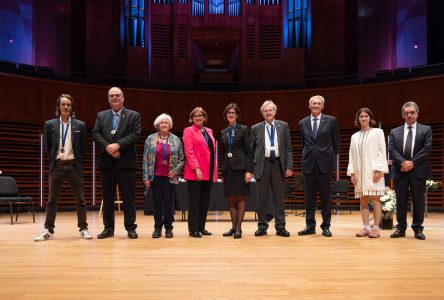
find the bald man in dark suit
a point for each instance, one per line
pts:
(116, 133)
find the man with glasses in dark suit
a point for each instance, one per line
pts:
(410, 145)
(116, 133)
(272, 161)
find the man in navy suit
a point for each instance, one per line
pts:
(320, 145)
(410, 146)
(270, 143)
(64, 139)
(116, 133)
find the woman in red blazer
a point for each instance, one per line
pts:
(200, 170)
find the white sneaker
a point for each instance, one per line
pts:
(84, 234)
(45, 235)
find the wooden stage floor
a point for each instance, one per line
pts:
(216, 267)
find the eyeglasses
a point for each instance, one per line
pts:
(114, 95)
(199, 116)
(406, 113)
(231, 113)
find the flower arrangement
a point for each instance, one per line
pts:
(388, 202)
(432, 185)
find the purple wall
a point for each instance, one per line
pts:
(411, 33)
(388, 32)
(16, 43)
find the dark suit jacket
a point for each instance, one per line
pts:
(421, 150)
(240, 148)
(257, 144)
(126, 136)
(322, 149)
(51, 137)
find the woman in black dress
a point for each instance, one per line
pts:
(236, 167)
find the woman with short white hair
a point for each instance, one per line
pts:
(162, 162)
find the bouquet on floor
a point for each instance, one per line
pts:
(388, 202)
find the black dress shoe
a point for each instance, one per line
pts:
(260, 232)
(229, 232)
(326, 232)
(168, 233)
(282, 232)
(106, 233)
(195, 234)
(132, 234)
(419, 235)
(307, 231)
(157, 234)
(205, 232)
(397, 234)
(237, 235)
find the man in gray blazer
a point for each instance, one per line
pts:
(64, 140)
(320, 145)
(116, 133)
(273, 161)
(410, 146)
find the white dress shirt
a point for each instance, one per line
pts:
(69, 153)
(267, 139)
(406, 132)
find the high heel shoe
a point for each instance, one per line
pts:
(230, 232)
(237, 235)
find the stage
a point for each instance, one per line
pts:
(215, 267)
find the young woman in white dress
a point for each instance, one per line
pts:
(366, 167)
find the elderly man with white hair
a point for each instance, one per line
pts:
(162, 162)
(272, 161)
(320, 145)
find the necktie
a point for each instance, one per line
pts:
(315, 127)
(115, 121)
(408, 144)
(272, 152)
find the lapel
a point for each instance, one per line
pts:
(417, 137)
(224, 136)
(200, 136)
(123, 118)
(108, 121)
(322, 124)
(400, 138)
(57, 134)
(73, 130)
(278, 132)
(262, 134)
(308, 125)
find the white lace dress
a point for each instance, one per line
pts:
(367, 154)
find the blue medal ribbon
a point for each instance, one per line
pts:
(64, 134)
(205, 135)
(230, 135)
(164, 150)
(271, 135)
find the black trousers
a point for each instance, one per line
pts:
(314, 182)
(409, 182)
(126, 178)
(199, 193)
(58, 175)
(163, 202)
(272, 177)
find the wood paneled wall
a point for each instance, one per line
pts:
(28, 102)
(32, 100)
